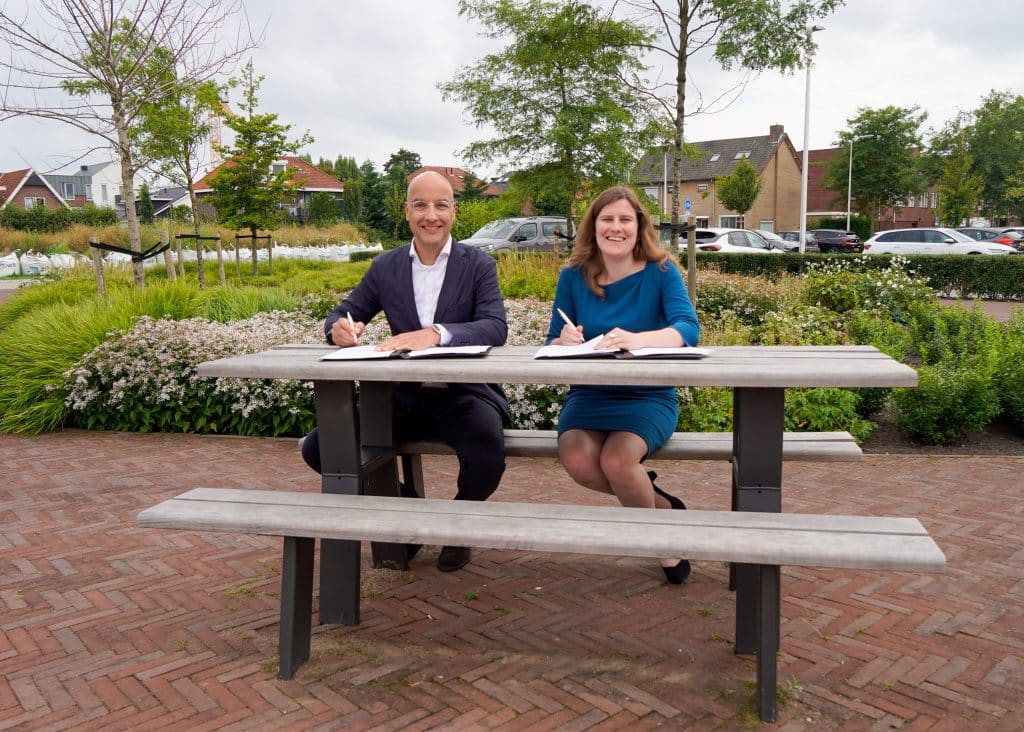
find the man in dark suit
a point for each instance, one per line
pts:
(435, 291)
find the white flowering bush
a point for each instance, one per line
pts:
(533, 406)
(145, 379)
(846, 285)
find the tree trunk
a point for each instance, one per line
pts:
(220, 263)
(128, 187)
(165, 239)
(253, 247)
(97, 265)
(677, 151)
(200, 274)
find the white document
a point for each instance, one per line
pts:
(680, 352)
(362, 353)
(587, 349)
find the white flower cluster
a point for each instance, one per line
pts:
(155, 363)
(533, 406)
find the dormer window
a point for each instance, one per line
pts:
(742, 154)
(279, 166)
(715, 157)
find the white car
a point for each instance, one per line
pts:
(931, 241)
(730, 240)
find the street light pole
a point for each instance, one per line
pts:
(807, 131)
(849, 186)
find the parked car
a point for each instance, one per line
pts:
(525, 234)
(1010, 237)
(792, 239)
(739, 241)
(931, 241)
(837, 240)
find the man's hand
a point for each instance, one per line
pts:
(342, 334)
(414, 340)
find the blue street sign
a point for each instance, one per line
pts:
(687, 204)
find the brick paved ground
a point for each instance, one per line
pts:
(106, 626)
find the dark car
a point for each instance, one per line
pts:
(837, 240)
(793, 237)
(1010, 237)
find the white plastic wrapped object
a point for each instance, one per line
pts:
(118, 259)
(10, 266)
(35, 264)
(62, 261)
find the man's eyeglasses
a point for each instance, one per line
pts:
(441, 207)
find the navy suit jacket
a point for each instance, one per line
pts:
(469, 306)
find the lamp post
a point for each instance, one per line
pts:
(849, 186)
(807, 131)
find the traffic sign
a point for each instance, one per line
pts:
(687, 204)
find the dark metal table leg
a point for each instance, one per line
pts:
(341, 464)
(381, 479)
(296, 604)
(757, 486)
(768, 618)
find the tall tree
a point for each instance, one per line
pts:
(247, 190)
(173, 133)
(111, 59)
(146, 215)
(473, 188)
(755, 35)
(996, 142)
(738, 190)
(959, 189)
(345, 168)
(886, 169)
(353, 199)
(554, 94)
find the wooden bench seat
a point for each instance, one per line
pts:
(805, 446)
(767, 540)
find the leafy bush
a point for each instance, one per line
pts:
(859, 225)
(704, 409)
(145, 380)
(40, 219)
(1010, 372)
(825, 410)
(848, 285)
(948, 401)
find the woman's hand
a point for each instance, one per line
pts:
(570, 336)
(622, 339)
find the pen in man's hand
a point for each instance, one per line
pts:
(352, 325)
(565, 318)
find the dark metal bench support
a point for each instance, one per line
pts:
(296, 604)
(768, 621)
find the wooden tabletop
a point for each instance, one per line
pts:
(730, 366)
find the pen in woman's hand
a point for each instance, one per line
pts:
(565, 318)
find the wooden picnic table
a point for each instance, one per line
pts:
(358, 454)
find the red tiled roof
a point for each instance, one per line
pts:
(455, 177)
(309, 177)
(9, 182)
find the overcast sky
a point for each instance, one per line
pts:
(362, 76)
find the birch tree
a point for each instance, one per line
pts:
(94, 64)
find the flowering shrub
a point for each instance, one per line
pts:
(845, 285)
(145, 379)
(533, 406)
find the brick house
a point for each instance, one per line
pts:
(308, 178)
(913, 211)
(777, 207)
(26, 188)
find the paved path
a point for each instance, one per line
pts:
(107, 626)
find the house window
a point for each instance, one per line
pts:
(730, 222)
(103, 193)
(88, 192)
(766, 225)
(702, 187)
(67, 190)
(933, 198)
(742, 154)
(702, 222)
(652, 192)
(279, 166)
(33, 201)
(715, 157)
(922, 201)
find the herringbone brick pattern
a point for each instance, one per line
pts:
(107, 626)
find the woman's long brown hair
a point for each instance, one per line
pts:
(587, 256)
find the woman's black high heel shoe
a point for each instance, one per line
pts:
(673, 501)
(678, 574)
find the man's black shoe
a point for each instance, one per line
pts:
(453, 557)
(411, 550)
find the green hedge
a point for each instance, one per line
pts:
(49, 220)
(994, 277)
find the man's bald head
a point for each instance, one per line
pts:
(429, 178)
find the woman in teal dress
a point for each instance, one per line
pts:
(621, 283)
